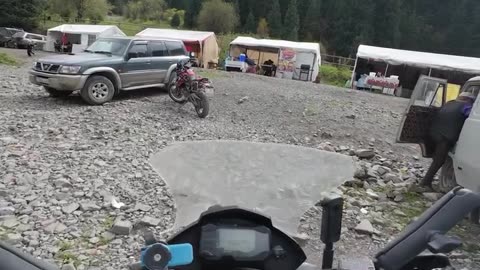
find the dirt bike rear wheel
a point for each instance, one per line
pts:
(202, 106)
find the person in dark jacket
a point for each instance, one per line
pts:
(30, 47)
(445, 131)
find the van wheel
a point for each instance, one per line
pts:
(57, 93)
(97, 90)
(448, 181)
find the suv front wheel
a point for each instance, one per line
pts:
(57, 93)
(97, 90)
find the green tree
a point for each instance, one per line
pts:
(23, 14)
(95, 10)
(175, 22)
(275, 20)
(291, 23)
(217, 16)
(312, 24)
(387, 26)
(262, 29)
(191, 14)
(65, 9)
(146, 9)
(250, 25)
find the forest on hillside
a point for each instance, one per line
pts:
(442, 26)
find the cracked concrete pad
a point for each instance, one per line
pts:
(282, 181)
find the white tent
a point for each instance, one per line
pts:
(420, 59)
(204, 44)
(306, 53)
(81, 36)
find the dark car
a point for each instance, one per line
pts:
(109, 66)
(6, 35)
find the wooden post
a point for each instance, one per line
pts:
(353, 72)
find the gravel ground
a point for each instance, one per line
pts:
(62, 162)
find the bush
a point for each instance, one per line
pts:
(217, 16)
(175, 21)
(335, 75)
(6, 59)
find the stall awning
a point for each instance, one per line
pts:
(420, 59)
(86, 29)
(176, 34)
(272, 43)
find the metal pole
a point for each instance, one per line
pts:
(328, 254)
(386, 70)
(430, 72)
(353, 72)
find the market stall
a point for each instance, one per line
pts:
(78, 37)
(404, 66)
(203, 44)
(278, 58)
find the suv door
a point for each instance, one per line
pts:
(137, 70)
(466, 157)
(427, 98)
(161, 60)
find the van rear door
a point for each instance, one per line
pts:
(428, 96)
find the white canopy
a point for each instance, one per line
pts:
(86, 29)
(273, 43)
(80, 35)
(175, 34)
(420, 59)
(206, 53)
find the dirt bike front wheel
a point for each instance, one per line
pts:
(202, 107)
(176, 94)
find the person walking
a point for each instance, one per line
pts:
(30, 47)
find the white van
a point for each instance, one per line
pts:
(463, 166)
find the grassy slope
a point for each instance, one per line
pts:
(6, 59)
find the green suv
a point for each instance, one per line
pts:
(109, 66)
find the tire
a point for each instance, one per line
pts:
(11, 45)
(175, 94)
(57, 93)
(448, 180)
(97, 90)
(202, 107)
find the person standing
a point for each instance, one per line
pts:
(30, 47)
(445, 131)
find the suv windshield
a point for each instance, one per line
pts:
(109, 46)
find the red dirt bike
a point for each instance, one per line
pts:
(187, 87)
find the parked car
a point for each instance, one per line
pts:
(109, 66)
(463, 165)
(6, 34)
(22, 39)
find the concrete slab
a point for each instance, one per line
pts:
(282, 181)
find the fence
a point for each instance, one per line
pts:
(338, 61)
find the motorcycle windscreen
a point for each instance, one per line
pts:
(281, 181)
